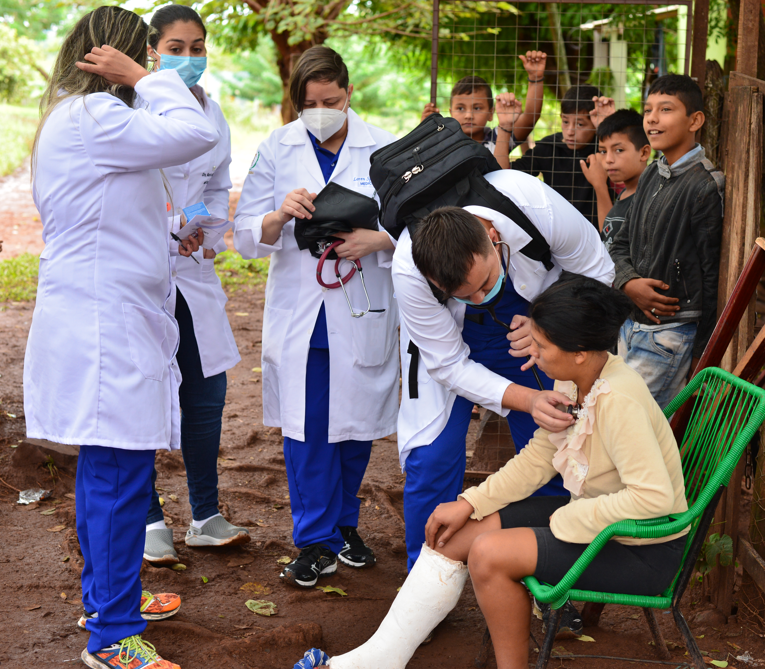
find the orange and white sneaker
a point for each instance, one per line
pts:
(153, 607)
(130, 653)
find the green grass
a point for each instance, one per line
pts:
(235, 272)
(17, 133)
(18, 278)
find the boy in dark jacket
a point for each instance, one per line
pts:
(667, 252)
(557, 157)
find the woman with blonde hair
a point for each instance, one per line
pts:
(99, 368)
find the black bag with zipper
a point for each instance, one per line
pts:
(437, 165)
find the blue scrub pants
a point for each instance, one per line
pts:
(323, 478)
(435, 473)
(202, 401)
(113, 490)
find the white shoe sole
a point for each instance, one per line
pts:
(327, 571)
(356, 565)
(164, 560)
(207, 540)
(91, 661)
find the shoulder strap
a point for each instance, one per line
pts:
(538, 248)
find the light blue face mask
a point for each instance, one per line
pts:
(491, 294)
(190, 69)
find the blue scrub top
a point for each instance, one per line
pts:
(327, 161)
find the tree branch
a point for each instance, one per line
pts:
(377, 17)
(254, 5)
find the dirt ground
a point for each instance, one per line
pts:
(41, 561)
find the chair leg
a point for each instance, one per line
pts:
(483, 653)
(658, 639)
(547, 644)
(690, 642)
(591, 613)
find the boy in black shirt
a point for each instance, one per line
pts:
(623, 153)
(557, 157)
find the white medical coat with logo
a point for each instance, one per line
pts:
(205, 179)
(364, 368)
(99, 364)
(445, 370)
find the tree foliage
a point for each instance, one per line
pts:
(18, 76)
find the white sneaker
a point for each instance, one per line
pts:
(217, 532)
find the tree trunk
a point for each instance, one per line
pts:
(559, 46)
(288, 56)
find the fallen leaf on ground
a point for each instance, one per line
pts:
(178, 566)
(261, 607)
(63, 595)
(205, 579)
(718, 663)
(66, 559)
(58, 528)
(331, 588)
(284, 559)
(240, 561)
(69, 495)
(33, 608)
(256, 589)
(48, 512)
(584, 637)
(241, 313)
(257, 369)
(173, 497)
(162, 501)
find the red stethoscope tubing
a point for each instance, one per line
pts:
(356, 265)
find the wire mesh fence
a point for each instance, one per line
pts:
(486, 72)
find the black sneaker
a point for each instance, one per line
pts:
(570, 619)
(355, 553)
(314, 561)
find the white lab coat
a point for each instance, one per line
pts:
(99, 364)
(445, 370)
(364, 369)
(205, 179)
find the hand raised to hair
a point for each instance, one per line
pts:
(534, 62)
(603, 107)
(113, 65)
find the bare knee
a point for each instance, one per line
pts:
(482, 559)
(505, 554)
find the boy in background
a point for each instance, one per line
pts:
(472, 104)
(668, 249)
(557, 157)
(623, 153)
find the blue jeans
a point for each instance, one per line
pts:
(202, 401)
(113, 489)
(661, 354)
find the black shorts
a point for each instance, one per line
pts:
(631, 570)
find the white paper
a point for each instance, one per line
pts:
(214, 229)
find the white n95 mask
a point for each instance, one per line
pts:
(323, 123)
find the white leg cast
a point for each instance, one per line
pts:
(431, 590)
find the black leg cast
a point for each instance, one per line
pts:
(690, 642)
(483, 654)
(547, 645)
(658, 639)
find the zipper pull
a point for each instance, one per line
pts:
(406, 176)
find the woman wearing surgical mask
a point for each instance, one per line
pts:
(330, 380)
(207, 347)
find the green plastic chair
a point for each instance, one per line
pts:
(726, 413)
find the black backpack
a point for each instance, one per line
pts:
(438, 165)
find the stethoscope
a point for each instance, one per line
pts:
(326, 248)
(490, 307)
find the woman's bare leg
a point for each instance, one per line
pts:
(498, 561)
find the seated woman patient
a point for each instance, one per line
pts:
(619, 460)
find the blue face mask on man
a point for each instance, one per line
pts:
(492, 293)
(189, 68)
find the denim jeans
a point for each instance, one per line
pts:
(661, 354)
(202, 401)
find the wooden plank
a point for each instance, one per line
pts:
(700, 31)
(739, 79)
(748, 46)
(752, 562)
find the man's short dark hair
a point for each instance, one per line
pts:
(444, 246)
(473, 85)
(627, 122)
(683, 88)
(578, 99)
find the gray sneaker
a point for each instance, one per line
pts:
(217, 532)
(158, 548)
